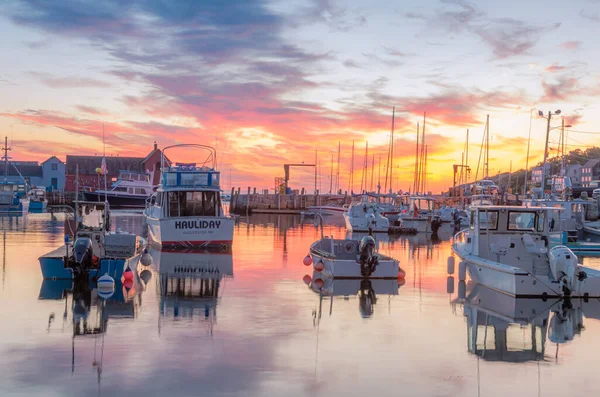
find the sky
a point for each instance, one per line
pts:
(274, 82)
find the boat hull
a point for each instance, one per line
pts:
(326, 209)
(200, 233)
(349, 269)
(117, 201)
(360, 225)
(421, 225)
(53, 266)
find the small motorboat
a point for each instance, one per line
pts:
(509, 249)
(364, 216)
(351, 259)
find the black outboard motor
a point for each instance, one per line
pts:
(83, 256)
(436, 223)
(368, 262)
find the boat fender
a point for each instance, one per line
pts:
(349, 246)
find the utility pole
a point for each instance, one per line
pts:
(527, 158)
(6, 149)
(546, 154)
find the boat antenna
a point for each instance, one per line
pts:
(6, 149)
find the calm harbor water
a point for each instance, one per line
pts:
(266, 333)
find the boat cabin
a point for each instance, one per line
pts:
(188, 190)
(510, 234)
(11, 193)
(422, 205)
(567, 215)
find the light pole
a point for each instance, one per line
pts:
(527, 158)
(550, 114)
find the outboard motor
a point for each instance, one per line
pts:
(368, 262)
(436, 223)
(564, 268)
(83, 256)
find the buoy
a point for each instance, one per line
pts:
(450, 285)
(307, 260)
(105, 294)
(146, 275)
(319, 266)
(462, 290)
(106, 282)
(128, 274)
(319, 283)
(307, 279)
(401, 273)
(462, 271)
(450, 265)
(401, 282)
(128, 284)
(146, 259)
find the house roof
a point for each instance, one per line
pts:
(27, 170)
(591, 163)
(50, 158)
(88, 164)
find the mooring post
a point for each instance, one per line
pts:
(248, 202)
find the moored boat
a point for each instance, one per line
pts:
(186, 211)
(419, 215)
(365, 216)
(507, 249)
(131, 190)
(352, 259)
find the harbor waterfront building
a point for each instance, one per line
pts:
(536, 174)
(89, 178)
(573, 172)
(590, 172)
(50, 175)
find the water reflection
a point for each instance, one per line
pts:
(190, 285)
(367, 291)
(502, 328)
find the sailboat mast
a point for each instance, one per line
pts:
(351, 187)
(331, 175)
(467, 157)
(337, 178)
(392, 148)
(416, 176)
(316, 171)
(487, 147)
(372, 172)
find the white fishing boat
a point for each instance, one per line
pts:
(351, 259)
(445, 213)
(419, 214)
(365, 216)
(507, 249)
(186, 211)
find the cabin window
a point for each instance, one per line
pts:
(131, 190)
(193, 203)
(187, 179)
(120, 189)
(158, 199)
(140, 191)
(173, 204)
(523, 221)
(472, 225)
(172, 179)
(488, 220)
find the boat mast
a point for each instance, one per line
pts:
(337, 178)
(387, 168)
(422, 159)
(416, 176)
(6, 149)
(372, 171)
(487, 147)
(392, 149)
(316, 171)
(331, 175)
(351, 184)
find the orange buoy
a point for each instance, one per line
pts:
(319, 283)
(307, 279)
(319, 266)
(401, 273)
(401, 282)
(307, 260)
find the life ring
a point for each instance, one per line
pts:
(349, 247)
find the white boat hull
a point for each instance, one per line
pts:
(326, 209)
(202, 233)
(421, 225)
(349, 269)
(361, 225)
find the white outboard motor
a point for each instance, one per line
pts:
(371, 220)
(564, 268)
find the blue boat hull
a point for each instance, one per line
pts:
(53, 268)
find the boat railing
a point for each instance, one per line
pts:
(460, 237)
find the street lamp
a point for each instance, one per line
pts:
(549, 117)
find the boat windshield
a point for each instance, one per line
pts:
(194, 203)
(526, 221)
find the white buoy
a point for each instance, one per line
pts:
(105, 294)
(450, 265)
(462, 271)
(462, 290)
(106, 285)
(450, 285)
(146, 259)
